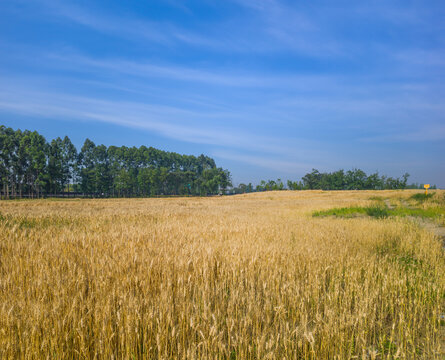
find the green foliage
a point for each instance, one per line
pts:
(346, 212)
(270, 185)
(433, 212)
(349, 212)
(379, 211)
(31, 166)
(354, 179)
(295, 185)
(421, 197)
(23, 162)
(243, 188)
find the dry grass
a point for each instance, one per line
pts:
(243, 277)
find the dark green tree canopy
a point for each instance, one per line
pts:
(354, 179)
(30, 166)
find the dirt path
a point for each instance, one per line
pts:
(388, 204)
(405, 203)
(436, 229)
(431, 226)
(439, 231)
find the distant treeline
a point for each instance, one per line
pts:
(354, 179)
(32, 167)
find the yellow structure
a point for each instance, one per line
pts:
(426, 186)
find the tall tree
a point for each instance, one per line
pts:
(28, 164)
(70, 168)
(87, 170)
(56, 174)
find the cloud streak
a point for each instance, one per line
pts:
(279, 28)
(268, 162)
(136, 115)
(123, 26)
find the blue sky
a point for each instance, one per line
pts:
(270, 89)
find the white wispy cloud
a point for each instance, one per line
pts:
(425, 58)
(278, 164)
(168, 121)
(278, 27)
(124, 25)
(201, 121)
(146, 69)
(426, 132)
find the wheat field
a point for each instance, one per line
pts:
(239, 277)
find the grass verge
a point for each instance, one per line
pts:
(421, 197)
(381, 212)
(350, 212)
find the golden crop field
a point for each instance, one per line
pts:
(239, 277)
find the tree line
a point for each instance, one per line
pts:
(30, 166)
(354, 179)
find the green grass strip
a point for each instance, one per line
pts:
(380, 212)
(421, 197)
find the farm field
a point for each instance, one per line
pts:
(272, 275)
